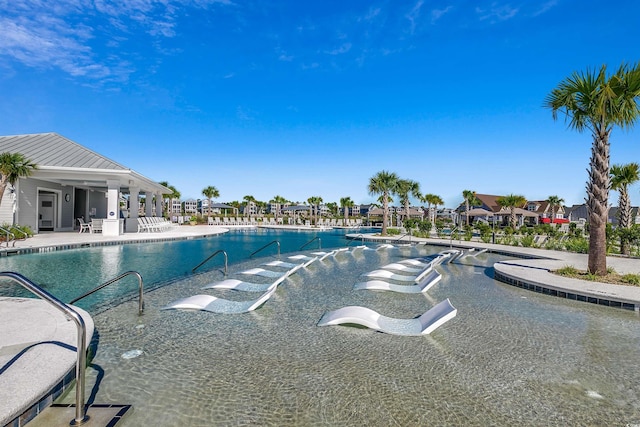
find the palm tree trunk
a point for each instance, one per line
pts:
(597, 203)
(385, 214)
(625, 220)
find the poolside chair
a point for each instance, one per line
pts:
(219, 305)
(422, 286)
(83, 225)
(96, 225)
(423, 325)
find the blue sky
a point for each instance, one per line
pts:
(301, 98)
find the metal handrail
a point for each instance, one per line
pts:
(311, 241)
(14, 229)
(404, 235)
(8, 232)
(81, 416)
(219, 251)
(354, 239)
(451, 236)
(105, 284)
(266, 246)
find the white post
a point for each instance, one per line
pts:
(111, 225)
(158, 205)
(132, 221)
(148, 204)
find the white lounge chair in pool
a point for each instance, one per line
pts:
(219, 305)
(396, 266)
(386, 274)
(423, 325)
(423, 285)
(239, 285)
(385, 246)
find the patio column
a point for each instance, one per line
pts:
(132, 222)
(158, 205)
(111, 225)
(148, 204)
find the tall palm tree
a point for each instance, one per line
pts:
(168, 197)
(432, 200)
(345, 204)
(622, 176)
(12, 167)
(210, 192)
(314, 201)
(405, 188)
(383, 183)
(595, 101)
(554, 203)
(512, 201)
(470, 199)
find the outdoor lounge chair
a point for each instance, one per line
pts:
(219, 305)
(386, 274)
(422, 286)
(83, 225)
(423, 325)
(96, 225)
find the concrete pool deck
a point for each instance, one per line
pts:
(529, 269)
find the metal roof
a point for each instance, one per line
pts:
(51, 149)
(68, 163)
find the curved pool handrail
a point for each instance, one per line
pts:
(219, 251)
(311, 241)
(265, 247)
(115, 279)
(81, 416)
(8, 233)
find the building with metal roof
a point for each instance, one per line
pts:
(73, 182)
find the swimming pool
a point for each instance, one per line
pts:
(70, 273)
(509, 357)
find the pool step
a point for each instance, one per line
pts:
(99, 415)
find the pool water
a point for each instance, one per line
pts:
(510, 356)
(70, 273)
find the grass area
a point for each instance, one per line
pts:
(611, 277)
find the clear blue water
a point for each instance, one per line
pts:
(510, 356)
(69, 274)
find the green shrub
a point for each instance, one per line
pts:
(577, 244)
(632, 279)
(567, 270)
(527, 241)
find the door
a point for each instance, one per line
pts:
(46, 212)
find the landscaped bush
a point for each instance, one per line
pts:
(468, 233)
(527, 241)
(632, 279)
(577, 244)
(553, 243)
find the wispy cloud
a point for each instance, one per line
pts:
(436, 14)
(71, 35)
(344, 48)
(545, 7)
(496, 13)
(413, 15)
